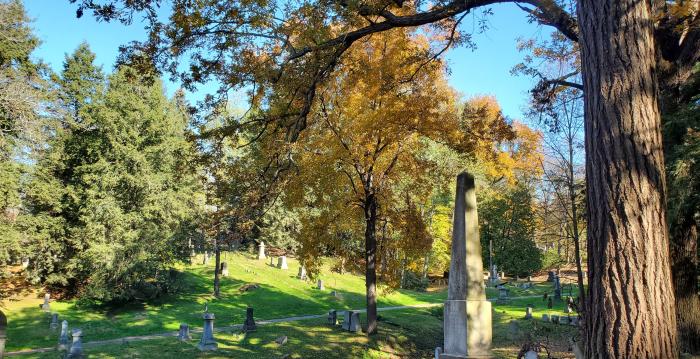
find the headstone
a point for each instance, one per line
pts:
(333, 317)
(25, 263)
(205, 259)
(467, 313)
(355, 322)
(557, 288)
(208, 342)
(529, 278)
(76, 347)
(502, 293)
(282, 262)
(528, 312)
(513, 328)
(550, 276)
(530, 354)
(281, 340)
(184, 333)
(63, 338)
(3, 333)
(494, 274)
(261, 250)
(545, 318)
(54, 321)
(302, 273)
(320, 285)
(46, 306)
(555, 319)
(249, 324)
(224, 269)
(503, 275)
(272, 261)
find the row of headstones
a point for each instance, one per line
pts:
(74, 347)
(351, 321)
(556, 319)
(207, 341)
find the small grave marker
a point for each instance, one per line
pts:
(184, 333)
(249, 324)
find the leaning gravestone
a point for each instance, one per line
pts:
(333, 317)
(54, 321)
(76, 347)
(261, 250)
(302, 273)
(207, 342)
(184, 334)
(3, 335)
(467, 313)
(249, 324)
(282, 262)
(320, 285)
(63, 338)
(46, 306)
(224, 269)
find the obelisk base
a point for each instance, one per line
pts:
(467, 329)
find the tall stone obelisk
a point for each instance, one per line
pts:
(467, 312)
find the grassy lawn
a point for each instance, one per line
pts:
(280, 295)
(410, 333)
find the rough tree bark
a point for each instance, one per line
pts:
(684, 251)
(630, 308)
(370, 209)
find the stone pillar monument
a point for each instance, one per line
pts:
(207, 342)
(261, 251)
(467, 313)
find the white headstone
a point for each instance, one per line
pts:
(261, 250)
(282, 262)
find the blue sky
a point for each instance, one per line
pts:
(485, 70)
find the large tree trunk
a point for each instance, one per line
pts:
(370, 261)
(630, 308)
(684, 250)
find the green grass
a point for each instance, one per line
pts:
(280, 295)
(410, 333)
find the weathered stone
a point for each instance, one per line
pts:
(282, 340)
(76, 347)
(545, 318)
(282, 262)
(3, 333)
(333, 317)
(528, 312)
(529, 278)
(261, 250)
(272, 261)
(63, 338)
(25, 263)
(502, 293)
(467, 313)
(355, 322)
(503, 275)
(224, 269)
(530, 354)
(494, 274)
(302, 273)
(54, 321)
(249, 324)
(46, 306)
(205, 259)
(184, 333)
(208, 342)
(319, 285)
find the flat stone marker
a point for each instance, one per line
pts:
(63, 338)
(76, 347)
(528, 312)
(54, 321)
(46, 306)
(320, 285)
(3, 333)
(249, 324)
(302, 273)
(333, 317)
(261, 250)
(282, 262)
(208, 342)
(545, 318)
(184, 334)
(224, 269)
(467, 313)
